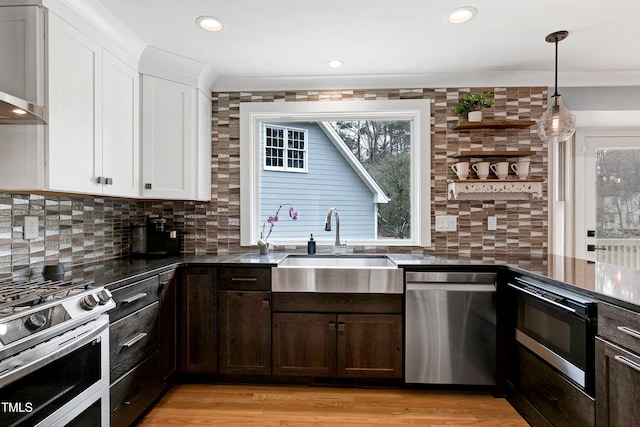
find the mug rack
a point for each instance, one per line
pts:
(494, 189)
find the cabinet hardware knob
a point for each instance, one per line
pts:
(147, 186)
(341, 327)
(332, 326)
(99, 180)
(265, 303)
(108, 181)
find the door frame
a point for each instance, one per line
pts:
(580, 238)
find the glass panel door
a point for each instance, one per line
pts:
(612, 200)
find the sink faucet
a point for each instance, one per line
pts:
(327, 227)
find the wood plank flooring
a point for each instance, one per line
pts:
(266, 406)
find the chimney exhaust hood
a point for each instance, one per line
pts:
(16, 111)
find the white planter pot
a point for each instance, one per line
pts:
(475, 116)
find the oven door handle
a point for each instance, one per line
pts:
(33, 359)
(540, 297)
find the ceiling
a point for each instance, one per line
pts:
(275, 44)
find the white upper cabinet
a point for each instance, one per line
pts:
(91, 144)
(103, 137)
(75, 109)
(93, 116)
(168, 133)
(120, 128)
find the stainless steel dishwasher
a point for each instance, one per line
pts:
(450, 331)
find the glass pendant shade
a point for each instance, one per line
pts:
(557, 123)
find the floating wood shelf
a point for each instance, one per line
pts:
(495, 124)
(495, 189)
(481, 154)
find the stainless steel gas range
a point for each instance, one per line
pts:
(54, 355)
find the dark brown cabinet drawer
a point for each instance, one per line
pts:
(132, 394)
(619, 326)
(244, 279)
(617, 386)
(133, 297)
(133, 338)
(555, 397)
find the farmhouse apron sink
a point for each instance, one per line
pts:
(337, 274)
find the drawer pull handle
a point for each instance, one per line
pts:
(244, 279)
(628, 362)
(134, 298)
(341, 327)
(135, 339)
(134, 396)
(629, 331)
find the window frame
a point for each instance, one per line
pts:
(285, 164)
(254, 114)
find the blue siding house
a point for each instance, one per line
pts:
(307, 166)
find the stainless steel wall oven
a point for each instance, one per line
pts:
(559, 327)
(54, 355)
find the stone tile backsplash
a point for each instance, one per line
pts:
(81, 229)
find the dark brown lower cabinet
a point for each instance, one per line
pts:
(197, 321)
(369, 345)
(141, 345)
(244, 341)
(340, 345)
(556, 399)
(304, 344)
(167, 325)
(617, 386)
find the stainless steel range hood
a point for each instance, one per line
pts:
(16, 111)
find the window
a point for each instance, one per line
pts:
(285, 148)
(309, 135)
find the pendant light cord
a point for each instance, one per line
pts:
(555, 93)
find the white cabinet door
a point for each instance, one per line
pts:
(74, 146)
(168, 132)
(203, 181)
(120, 128)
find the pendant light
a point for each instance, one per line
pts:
(557, 123)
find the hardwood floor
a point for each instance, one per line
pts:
(266, 406)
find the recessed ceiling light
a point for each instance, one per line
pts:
(210, 23)
(461, 15)
(335, 63)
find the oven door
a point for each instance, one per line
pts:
(59, 381)
(556, 334)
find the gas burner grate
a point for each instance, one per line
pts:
(19, 295)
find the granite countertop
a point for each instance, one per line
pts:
(609, 283)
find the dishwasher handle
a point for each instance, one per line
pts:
(451, 287)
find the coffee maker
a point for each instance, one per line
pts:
(153, 240)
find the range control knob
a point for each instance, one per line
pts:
(88, 302)
(104, 296)
(35, 321)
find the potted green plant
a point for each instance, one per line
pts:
(471, 105)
